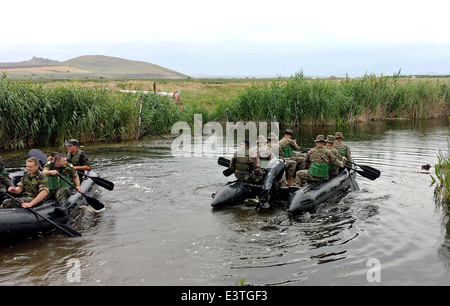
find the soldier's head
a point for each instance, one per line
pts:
(339, 136)
(72, 146)
(272, 137)
(32, 165)
(330, 140)
(288, 133)
(261, 140)
(320, 141)
(60, 160)
(245, 143)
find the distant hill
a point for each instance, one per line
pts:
(88, 66)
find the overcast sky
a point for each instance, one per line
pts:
(237, 38)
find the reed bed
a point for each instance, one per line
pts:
(442, 172)
(37, 115)
(299, 100)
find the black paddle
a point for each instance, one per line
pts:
(99, 181)
(368, 175)
(374, 172)
(63, 228)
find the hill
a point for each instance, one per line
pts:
(88, 66)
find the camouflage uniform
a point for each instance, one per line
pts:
(287, 145)
(342, 148)
(59, 189)
(318, 160)
(5, 181)
(31, 185)
(330, 146)
(246, 167)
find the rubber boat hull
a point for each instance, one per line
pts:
(309, 197)
(19, 223)
(304, 199)
(235, 193)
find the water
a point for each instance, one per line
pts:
(159, 227)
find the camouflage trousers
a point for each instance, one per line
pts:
(61, 195)
(304, 176)
(290, 167)
(252, 177)
(299, 160)
(10, 203)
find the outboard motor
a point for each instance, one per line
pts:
(272, 174)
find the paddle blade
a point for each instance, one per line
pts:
(228, 172)
(102, 182)
(223, 162)
(94, 203)
(374, 172)
(66, 230)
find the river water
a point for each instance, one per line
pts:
(159, 227)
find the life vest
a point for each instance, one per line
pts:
(319, 170)
(287, 151)
(75, 159)
(243, 165)
(55, 182)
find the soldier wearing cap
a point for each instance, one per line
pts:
(318, 160)
(246, 166)
(262, 151)
(333, 170)
(342, 148)
(77, 157)
(287, 144)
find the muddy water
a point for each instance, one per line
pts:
(159, 227)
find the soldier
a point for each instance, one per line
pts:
(290, 165)
(33, 186)
(77, 157)
(287, 144)
(246, 167)
(342, 148)
(318, 160)
(5, 181)
(333, 170)
(60, 189)
(262, 151)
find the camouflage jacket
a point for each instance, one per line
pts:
(322, 156)
(33, 184)
(286, 143)
(343, 149)
(68, 171)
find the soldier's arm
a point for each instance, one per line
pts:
(39, 198)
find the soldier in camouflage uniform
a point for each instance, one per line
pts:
(5, 181)
(288, 145)
(246, 167)
(60, 189)
(318, 159)
(333, 170)
(262, 151)
(33, 186)
(342, 148)
(290, 164)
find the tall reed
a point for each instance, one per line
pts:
(37, 115)
(299, 100)
(442, 172)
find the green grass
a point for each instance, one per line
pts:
(37, 115)
(442, 172)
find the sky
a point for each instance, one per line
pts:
(237, 37)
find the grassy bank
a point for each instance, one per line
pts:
(36, 115)
(442, 172)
